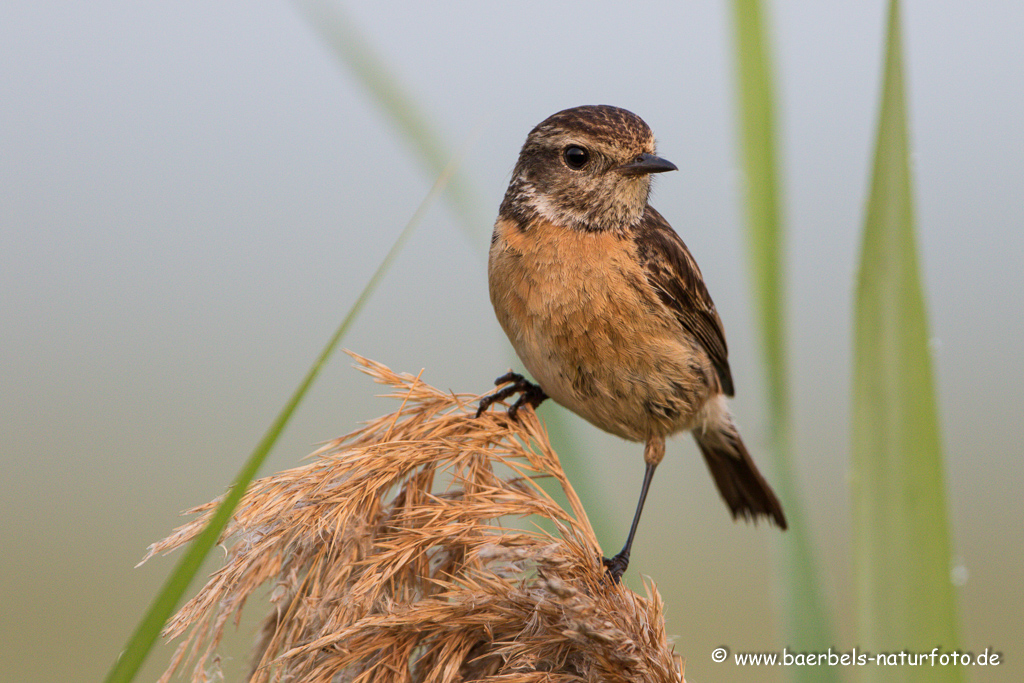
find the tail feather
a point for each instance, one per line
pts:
(744, 489)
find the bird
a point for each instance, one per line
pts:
(607, 309)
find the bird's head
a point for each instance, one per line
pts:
(586, 168)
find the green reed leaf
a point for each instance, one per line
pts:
(353, 50)
(905, 598)
(410, 121)
(808, 626)
(148, 630)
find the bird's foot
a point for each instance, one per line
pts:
(616, 566)
(529, 394)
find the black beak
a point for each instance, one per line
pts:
(646, 163)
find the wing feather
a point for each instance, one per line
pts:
(674, 274)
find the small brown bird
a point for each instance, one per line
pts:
(606, 307)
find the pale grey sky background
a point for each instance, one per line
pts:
(193, 193)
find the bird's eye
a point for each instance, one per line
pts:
(576, 157)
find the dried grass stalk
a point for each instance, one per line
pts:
(389, 562)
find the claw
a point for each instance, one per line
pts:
(529, 392)
(616, 566)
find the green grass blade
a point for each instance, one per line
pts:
(808, 626)
(339, 33)
(353, 50)
(343, 37)
(901, 535)
(148, 630)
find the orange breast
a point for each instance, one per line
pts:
(582, 317)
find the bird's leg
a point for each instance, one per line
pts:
(653, 453)
(529, 393)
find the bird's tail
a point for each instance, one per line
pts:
(744, 489)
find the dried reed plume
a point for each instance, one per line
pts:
(388, 562)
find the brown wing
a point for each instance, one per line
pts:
(674, 274)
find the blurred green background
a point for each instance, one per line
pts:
(193, 195)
